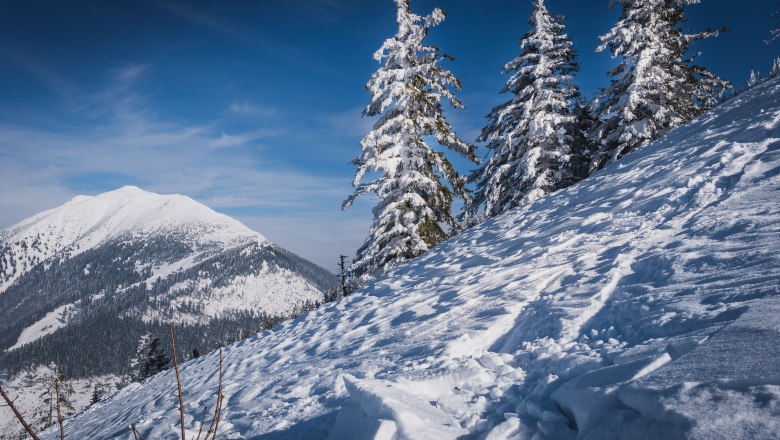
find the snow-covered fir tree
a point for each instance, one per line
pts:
(582, 145)
(97, 395)
(753, 79)
(150, 358)
(655, 88)
(775, 71)
(415, 183)
(531, 135)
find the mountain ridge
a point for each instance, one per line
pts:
(87, 221)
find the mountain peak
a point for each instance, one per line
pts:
(129, 189)
(88, 221)
(79, 198)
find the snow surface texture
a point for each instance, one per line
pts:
(641, 303)
(85, 222)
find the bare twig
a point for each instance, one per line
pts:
(202, 422)
(217, 415)
(218, 408)
(57, 399)
(212, 431)
(136, 434)
(18, 415)
(12, 400)
(178, 380)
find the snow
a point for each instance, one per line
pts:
(53, 321)
(29, 386)
(641, 303)
(86, 222)
(382, 410)
(275, 292)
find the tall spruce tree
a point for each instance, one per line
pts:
(415, 183)
(655, 88)
(531, 136)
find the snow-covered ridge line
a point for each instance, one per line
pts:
(86, 222)
(643, 301)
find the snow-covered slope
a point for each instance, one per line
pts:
(642, 303)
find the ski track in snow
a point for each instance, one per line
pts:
(640, 303)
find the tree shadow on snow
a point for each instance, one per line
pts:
(312, 429)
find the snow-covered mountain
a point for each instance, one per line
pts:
(80, 283)
(128, 213)
(161, 238)
(643, 302)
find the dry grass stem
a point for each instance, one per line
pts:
(218, 408)
(18, 415)
(136, 434)
(178, 380)
(57, 399)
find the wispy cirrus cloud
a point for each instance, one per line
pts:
(236, 140)
(37, 68)
(319, 9)
(45, 165)
(197, 17)
(349, 123)
(252, 109)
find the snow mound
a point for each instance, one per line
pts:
(642, 303)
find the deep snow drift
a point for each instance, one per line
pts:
(641, 303)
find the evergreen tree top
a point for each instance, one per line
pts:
(655, 88)
(531, 134)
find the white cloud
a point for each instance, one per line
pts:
(236, 140)
(350, 123)
(248, 108)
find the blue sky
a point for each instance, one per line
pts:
(253, 107)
